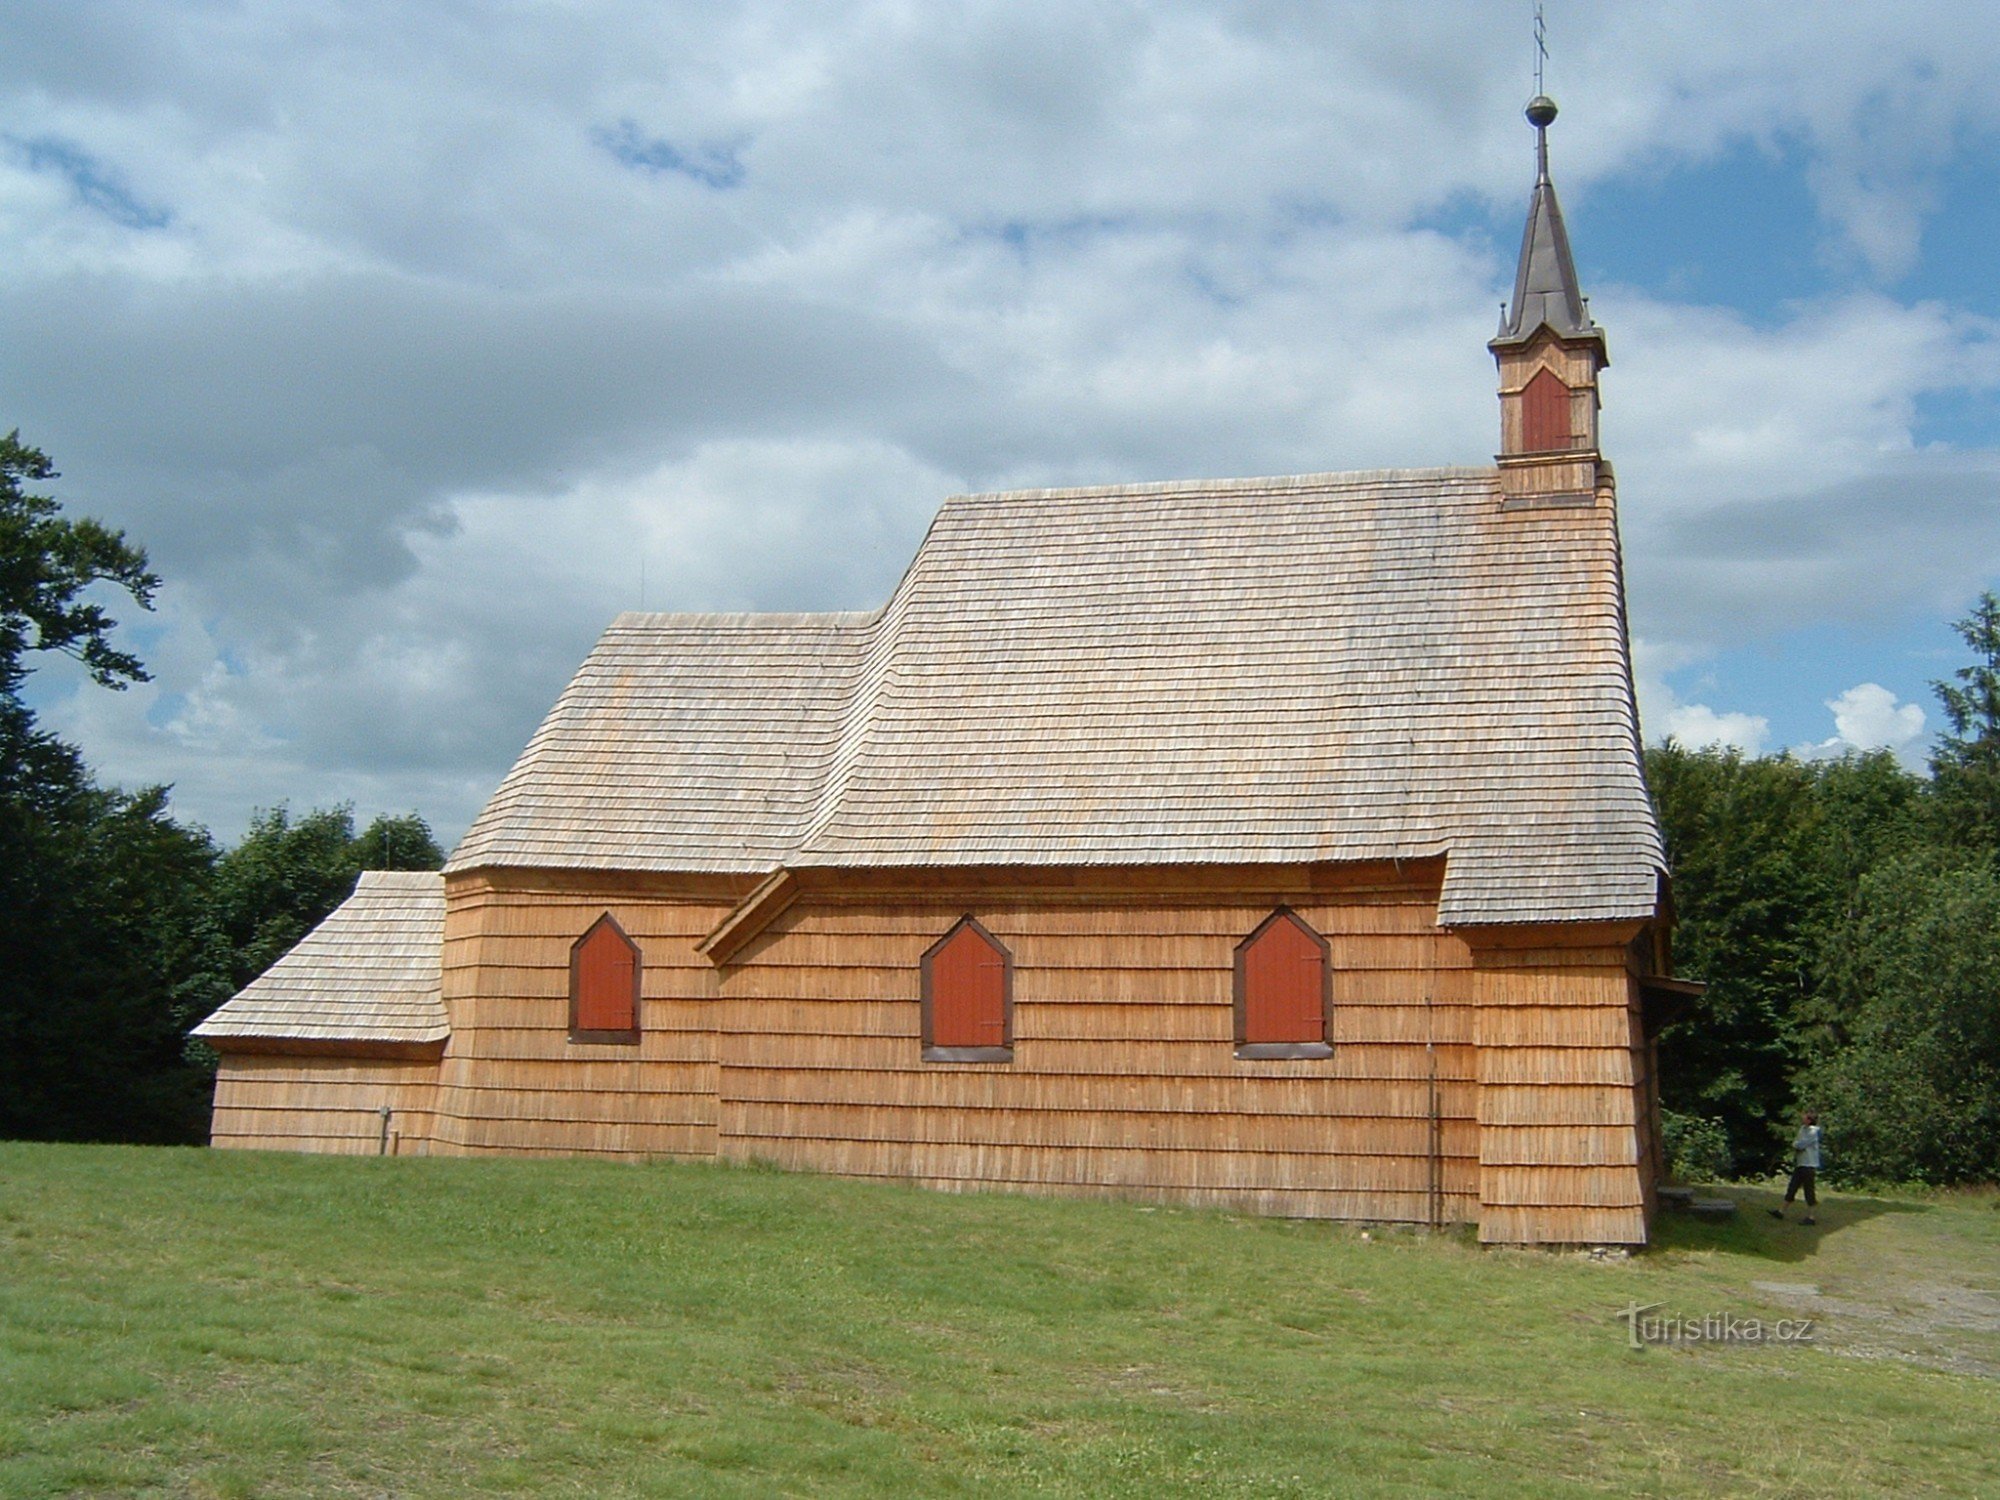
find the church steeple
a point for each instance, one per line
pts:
(1549, 351)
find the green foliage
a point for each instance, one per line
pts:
(104, 948)
(1738, 836)
(1846, 915)
(47, 564)
(1869, 810)
(1965, 766)
(108, 957)
(1906, 1071)
(1697, 1149)
(287, 873)
(402, 843)
(119, 927)
(1769, 857)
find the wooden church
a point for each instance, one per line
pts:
(1280, 844)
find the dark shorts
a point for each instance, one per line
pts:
(1802, 1177)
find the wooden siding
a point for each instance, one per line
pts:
(513, 1079)
(1575, 365)
(1564, 1134)
(329, 1104)
(1124, 1078)
(1504, 1081)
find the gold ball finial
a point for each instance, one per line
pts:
(1541, 110)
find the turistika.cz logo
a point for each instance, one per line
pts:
(1648, 1325)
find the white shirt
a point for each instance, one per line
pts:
(1805, 1150)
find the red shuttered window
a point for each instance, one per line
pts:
(604, 985)
(1545, 415)
(968, 997)
(1284, 989)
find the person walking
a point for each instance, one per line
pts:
(1805, 1168)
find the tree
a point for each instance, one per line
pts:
(110, 954)
(288, 873)
(47, 563)
(1768, 855)
(1965, 766)
(119, 927)
(399, 843)
(1908, 1079)
(103, 946)
(1870, 810)
(1739, 838)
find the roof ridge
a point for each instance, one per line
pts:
(640, 619)
(1264, 484)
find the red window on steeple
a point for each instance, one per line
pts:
(604, 985)
(968, 997)
(1545, 414)
(1283, 990)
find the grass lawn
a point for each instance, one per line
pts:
(195, 1323)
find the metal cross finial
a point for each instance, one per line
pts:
(1541, 108)
(1541, 46)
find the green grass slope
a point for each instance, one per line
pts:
(194, 1323)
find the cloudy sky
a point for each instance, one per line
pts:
(415, 341)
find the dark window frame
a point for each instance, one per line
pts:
(600, 1038)
(1250, 1051)
(1004, 1053)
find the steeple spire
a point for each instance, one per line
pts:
(1550, 351)
(1545, 285)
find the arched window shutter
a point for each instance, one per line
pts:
(968, 1010)
(1545, 416)
(604, 985)
(1283, 989)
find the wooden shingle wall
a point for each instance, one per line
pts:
(1564, 1119)
(1505, 1082)
(1124, 1077)
(514, 1081)
(330, 1104)
(1574, 364)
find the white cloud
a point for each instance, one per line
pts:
(1698, 727)
(1663, 715)
(415, 371)
(1868, 716)
(418, 691)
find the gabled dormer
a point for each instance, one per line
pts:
(1549, 352)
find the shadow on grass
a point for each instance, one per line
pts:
(1754, 1232)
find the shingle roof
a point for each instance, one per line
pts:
(685, 742)
(369, 973)
(1331, 667)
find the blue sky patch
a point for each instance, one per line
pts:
(1960, 233)
(1963, 418)
(713, 164)
(1739, 231)
(1790, 678)
(97, 185)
